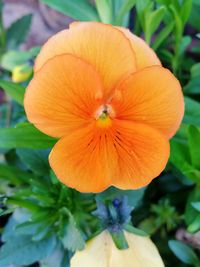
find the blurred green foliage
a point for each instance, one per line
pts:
(42, 220)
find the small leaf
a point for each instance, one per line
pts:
(183, 252)
(17, 32)
(25, 136)
(77, 9)
(14, 58)
(131, 229)
(14, 90)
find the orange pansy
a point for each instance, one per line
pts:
(98, 89)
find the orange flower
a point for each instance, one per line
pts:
(103, 92)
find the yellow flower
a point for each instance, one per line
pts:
(102, 252)
(21, 73)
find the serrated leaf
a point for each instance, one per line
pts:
(14, 90)
(77, 9)
(72, 238)
(183, 252)
(23, 251)
(17, 32)
(25, 136)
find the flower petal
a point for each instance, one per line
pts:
(96, 254)
(141, 253)
(85, 160)
(62, 95)
(102, 252)
(103, 46)
(145, 56)
(142, 154)
(151, 96)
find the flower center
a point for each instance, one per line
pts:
(104, 116)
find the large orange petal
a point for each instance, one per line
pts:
(151, 96)
(62, 95)
(103, 46)
(145, 56)
(85, 160)
(142, 154)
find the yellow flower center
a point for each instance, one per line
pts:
(103, 116)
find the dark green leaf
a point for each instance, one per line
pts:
(35, 160)
(77, 9)
(14, 90)
(25, 136)
(18, 31)
(193, 87)
(194, 145)
(183, 252)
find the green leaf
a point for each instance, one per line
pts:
(13, 58)
(153, 21)
(193, 87)
(194, 145)
(77, 9)
(25, 136)
(72, 238)
(183, 252)
(186, 8)
(191, 213)
(195, 225)
(196, 205)
(104, 9)
(162, 35)
(14, 175)
(192, 112)
(18, 31)
(180, 157)
(23, 251)
(35, 160)
(125, 7)
(131, 229)
(14, 90)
